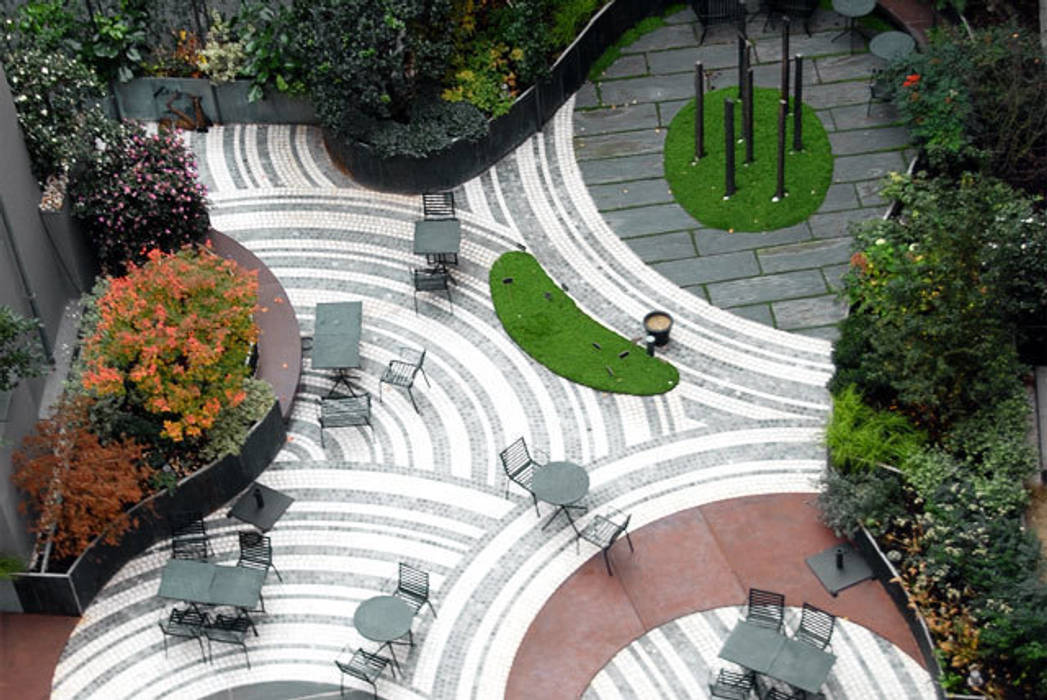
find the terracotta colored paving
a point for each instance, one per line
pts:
(697, 559)
(29, 649)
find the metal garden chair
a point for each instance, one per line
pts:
(602, 531)
(187, 623)
(402, 373)
(363, 666)
(816, 627)
(776, 693)
(431, 280)
(734, 685)
(712, 12)
(798, 9)
(189, 538)
(880, 90)
(228, 630)
(766, 609)
(519, 467)
(345, 411)
(413, 588)
(256, 552)
(438, 205)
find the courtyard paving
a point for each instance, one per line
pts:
(786, 278)
(426, 487)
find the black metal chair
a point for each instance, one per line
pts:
(438, 205)
(402, 373)
(880, 90)
(345, 411)
(766, 609)
(413, 588)
(229, 630)
(363, 666)
(256, 552)
(793, 9)
(432, 280)
(816, 627)
(776, 693)
(187, 623)
(712, 12)
(602, 531)
(189, 538)
(519, 467)
(734, 685)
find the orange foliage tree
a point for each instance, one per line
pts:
(74, 483)
(173, 337)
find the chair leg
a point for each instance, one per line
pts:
(380, 389)
(412, 400)
(341, 685)
(705, 28)
(630, 541)
(278, 576)
(165, 644)
(430, 604)
(535, 499)
(608, 563)
(416, 302)
(374, 692)
(261, 601)
(450, 300)
(425, 377)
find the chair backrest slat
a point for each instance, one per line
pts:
(766, 608)
(816, 626)
(438, 205)
(517, 462)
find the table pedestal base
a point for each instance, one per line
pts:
(566, 512)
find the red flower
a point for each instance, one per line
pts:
(911, 80)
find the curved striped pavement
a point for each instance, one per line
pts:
(426, 487)
(679, 659)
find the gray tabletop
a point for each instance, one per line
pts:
(336, 335)
(752, 646)
(437, 236)
(854, 8)
(802, 665)
(273, 506)
(891, 45)
(204, 582)
(560, 483)
(383, 618)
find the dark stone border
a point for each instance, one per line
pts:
(280, 364)
(146, 98)
(888, 577)
(464, 160)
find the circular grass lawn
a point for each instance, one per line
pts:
(699, 186)
(549, 326)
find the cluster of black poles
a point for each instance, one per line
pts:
(745, 89)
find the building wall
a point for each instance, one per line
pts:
(50, 287)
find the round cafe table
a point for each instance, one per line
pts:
(561, 484)
(384, 618)
(851, 10)
(891, 45)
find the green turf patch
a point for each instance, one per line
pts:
(547, 324)
(699, 187)
(614, 51)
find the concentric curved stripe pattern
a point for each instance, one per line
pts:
(678, 660)
(427, 487)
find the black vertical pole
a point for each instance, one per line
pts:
(699, 111)
(728, 141)
(780, 192)
(785, 60)
(798, 105)
(748, 121)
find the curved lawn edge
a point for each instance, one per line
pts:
(549, 326)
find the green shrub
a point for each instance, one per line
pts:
(927, 470)
(230, 429)
(46, 25)
(272, 53)
(993, 440)
(570, 17)
(10, 564)
(20, 356)
(224, 56)
(871, 499)
(434, 125)
(860, 437)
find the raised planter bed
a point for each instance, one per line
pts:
(70, 592)
(463, 160)
(147, 98)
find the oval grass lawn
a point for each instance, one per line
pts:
(549, 327)
(699, 187)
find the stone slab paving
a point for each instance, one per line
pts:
(784, 278)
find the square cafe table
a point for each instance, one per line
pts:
(437, 236)
(210, 584)
(773, 654)
(752, 646)
(336, 339)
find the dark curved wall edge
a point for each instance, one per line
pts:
(70, 593)
(888, 578)
(464, 160)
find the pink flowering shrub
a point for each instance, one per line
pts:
(139, 194)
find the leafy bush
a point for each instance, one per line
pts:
(75, 482)
(46, 25)
(980, 99)
(942, 289)
(486, 80)
(57, 102)
(223, 57)
(860, 437)
(268, 37)
(19, 354)
(172, 339)
(229, 432)
(433, 126)
(569, 18)
(139, 194)
(118, 42)
(872, 499)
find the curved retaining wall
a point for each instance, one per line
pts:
(464, 160)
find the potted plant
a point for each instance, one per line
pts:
(8, 597)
